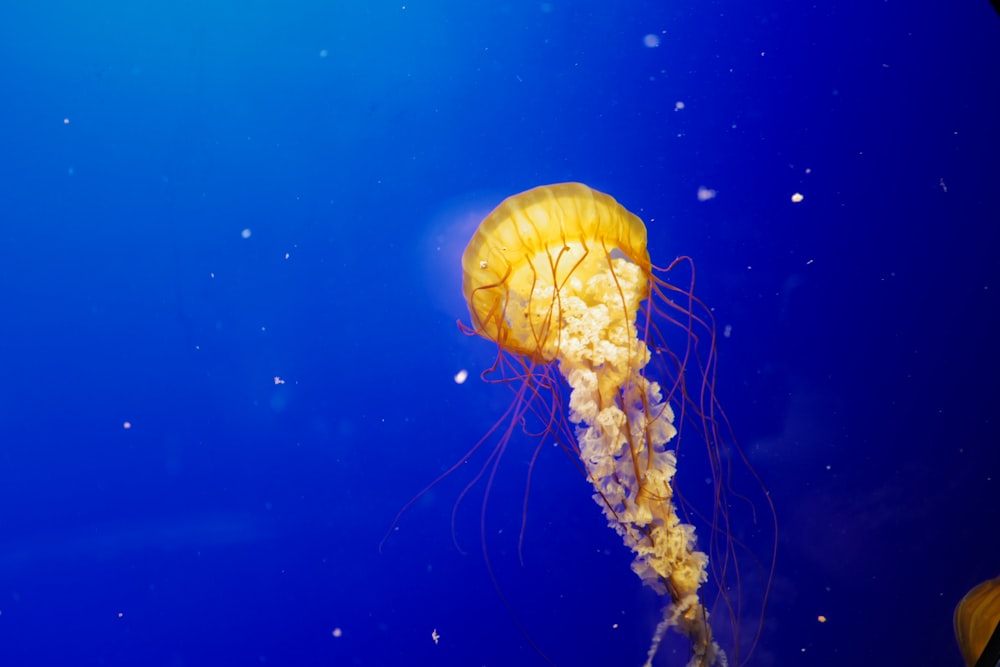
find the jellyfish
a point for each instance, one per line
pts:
(977, 624)
(560, 279)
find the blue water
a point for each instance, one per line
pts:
(229, 244)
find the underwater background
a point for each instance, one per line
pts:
(230, 236)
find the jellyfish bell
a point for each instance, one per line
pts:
(560, 279)
(524, 252)
(977, 624)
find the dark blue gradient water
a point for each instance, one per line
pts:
(229, 286)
